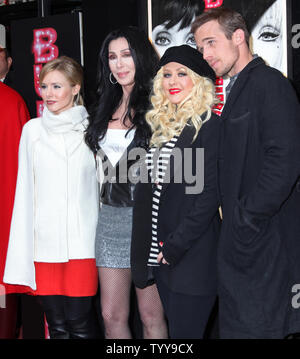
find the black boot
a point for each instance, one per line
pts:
(57, 326)
(82, 328)
(58, 333)
(53, 307)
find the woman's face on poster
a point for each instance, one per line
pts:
(267, 36)
(164, 38)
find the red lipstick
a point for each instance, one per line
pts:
(174, 91)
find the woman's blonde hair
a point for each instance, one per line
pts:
(70, 69)
(167, 120)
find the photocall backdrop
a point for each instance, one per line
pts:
(150, 13)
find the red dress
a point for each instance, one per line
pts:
(76, 278)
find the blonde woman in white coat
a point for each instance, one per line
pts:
(51, 245)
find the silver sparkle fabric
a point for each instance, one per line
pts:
(113, 237)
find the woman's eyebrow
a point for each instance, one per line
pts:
(113, 52)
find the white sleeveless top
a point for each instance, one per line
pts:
(114, 144)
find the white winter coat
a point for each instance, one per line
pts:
(56, 202)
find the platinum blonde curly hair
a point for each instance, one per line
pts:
(167, 120)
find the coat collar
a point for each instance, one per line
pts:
(73, 119)
(70, 123)
(239, 85)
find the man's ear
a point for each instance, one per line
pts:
(238, 36)
(9, 62)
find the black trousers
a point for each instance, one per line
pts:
(69, 317)
(187, 314)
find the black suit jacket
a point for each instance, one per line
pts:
(188, 224)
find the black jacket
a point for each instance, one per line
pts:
(188, 224)
(259, 164)
(117, 189)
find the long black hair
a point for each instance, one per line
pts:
(109, 95)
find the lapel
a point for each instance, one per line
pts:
(184, 141)
(238, 86)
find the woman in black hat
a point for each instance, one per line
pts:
(175, 217)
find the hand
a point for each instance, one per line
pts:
(160, 258)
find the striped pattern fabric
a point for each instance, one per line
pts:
(157, 164)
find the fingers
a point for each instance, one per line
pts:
(160, 258)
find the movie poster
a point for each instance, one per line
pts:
(169, 25)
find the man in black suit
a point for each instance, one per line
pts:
(258, 166)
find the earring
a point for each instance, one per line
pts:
(110, 79)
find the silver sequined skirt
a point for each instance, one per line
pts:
(113, 237)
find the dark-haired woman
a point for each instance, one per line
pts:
(127, 63)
